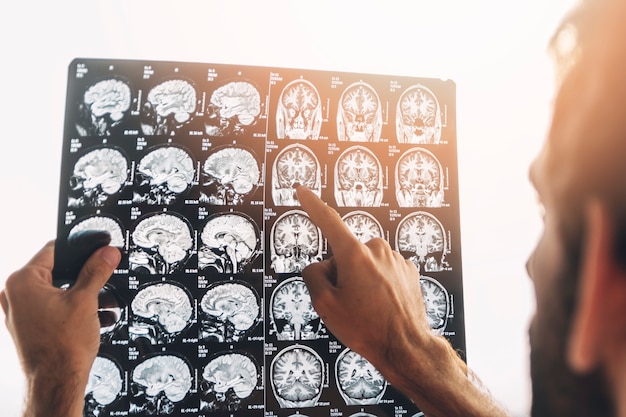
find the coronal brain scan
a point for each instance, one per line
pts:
(103, 107)
(229, 242)
(169, 105)
(101, 223)
(418, 117)
(230, 175)
(295, 242)
(228, 379)
(358, 178)
(97, 175)
(161, 243)
(294, 165)
(437, 303)
(232, 108)
(358, 381)
(104, 386)
(299, 112)
(363, 225)
(421, 238)
(419, 179)
(297, 376)
(359, 116)
(229, 311)
(292, 314)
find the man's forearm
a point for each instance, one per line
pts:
(59, 395)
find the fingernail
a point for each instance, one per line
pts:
(111, 255)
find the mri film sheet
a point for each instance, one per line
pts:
(191, 168)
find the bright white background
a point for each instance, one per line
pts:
(494, 50)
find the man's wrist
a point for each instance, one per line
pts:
(59, 394)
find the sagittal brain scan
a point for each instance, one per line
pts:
(104, 386)
(358, 381)
(358, 178)
(418, 116)
(228, 311)
(160, 312)
(159, 383)
(359, 116)
(230, 175)
(294, 165)
(421, 238)
(232, 109)
(102, 223)
(161, 243)
(363, 225)
(228, 243)
(103, 107)
(292, 316)
(110, 310)
(228, 380)
(168, 106)
(419, 179)
(299, 113)
(97, 175)
(297, 375)
(437, 303)
(295, 242)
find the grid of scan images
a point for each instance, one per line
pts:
(191, 168)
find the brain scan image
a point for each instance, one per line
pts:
(160, 312)
(358, 178)
(299, 112)
(297, 376)
(437, 303)
(358, 381)
(363, 225)
(359, 117)
(169, 105)
(421, 238)
(418, 117)
(161, 244)
(295, 242)
(229, 311)
(292, 316)
(294, 165)
(103, 107)
(102, 223)
(164, 173)
(110, 310)
(419, 179)
(230, 175)
(97, 175)
(158, 383)
(232, 109)
(228, 379)
(104, 386)
(229, 242)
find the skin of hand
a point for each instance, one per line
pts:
(56, 332)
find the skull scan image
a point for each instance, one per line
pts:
(363, 225)
(359, 383)
(421, 238)
(103, 107)
(437, 303)
(110, 311)
(294, 165)
(418, 116)
(229, 242)
(359, 117)
(104, 386)
(230, 174)
(97, 175)
(233, 108)
(164, 173)
(229, 311)
(160, 312)
(299, 112)
(228, 380)
(419, 179)
(297, 377)
(158, 383)
(358, 178)
(169, 105)
(292, 316)
(295, 242)
(161, 244)
(102, 223)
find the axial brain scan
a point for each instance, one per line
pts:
(297, 377)
(421, 238)
(294, 165)
(295, 242)
(102, 223)
(418, 117)
(358, 381)
(169, 105)
(231, 174)
(230, 310)
(363, 225)
(103, 107)
(359, 117)
(437, 303)
(292, 314)
(419, 179)
(104, 384)
(230, 241)
(229, 378)
(299, 113)
(358, 178)
(232, 108)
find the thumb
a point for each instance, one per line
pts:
(98, 269)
